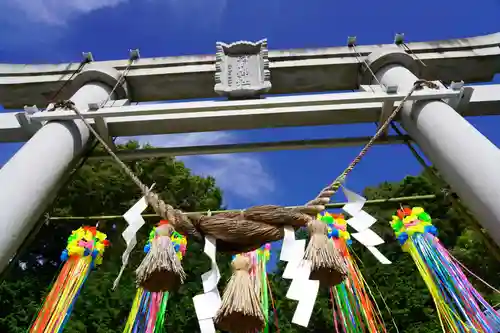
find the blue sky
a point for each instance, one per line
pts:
(51, 31)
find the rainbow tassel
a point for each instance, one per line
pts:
(354, 309)
(460, 306)
(83, 252)
(148, 311)
(263, 255)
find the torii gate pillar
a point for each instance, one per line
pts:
(31, 178)
(466, 159)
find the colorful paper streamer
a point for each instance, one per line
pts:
(459, 305)
(84, 251)
(354, 308)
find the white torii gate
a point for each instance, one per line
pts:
(466, 159)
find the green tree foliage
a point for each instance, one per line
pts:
(99, 188)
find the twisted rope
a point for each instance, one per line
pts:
(315, 206)
(325, 194)
(161, 208)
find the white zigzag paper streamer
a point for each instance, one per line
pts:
(135, 222)
(301, 288)
(304, 290)
(291, 252)
(207, 304)
(361, 221)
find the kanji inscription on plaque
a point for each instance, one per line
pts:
(242, 69)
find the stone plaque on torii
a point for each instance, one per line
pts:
(242, 69)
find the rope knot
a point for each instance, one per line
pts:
(160, 207)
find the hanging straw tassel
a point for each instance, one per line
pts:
(148, 312)
(241, 310)
(161, 269)
(327, 263)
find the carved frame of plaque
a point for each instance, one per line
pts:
(251, 77)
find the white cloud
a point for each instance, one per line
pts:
(238, 174)
(57, 12)
(242, 175)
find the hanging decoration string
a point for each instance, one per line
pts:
(275, 312)
(473, 274)
(378, 291)
(419, 84)
(331, 189)
(400, 41)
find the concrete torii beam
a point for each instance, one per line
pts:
(474, 59)
(301, 110)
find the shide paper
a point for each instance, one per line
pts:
(135, 221)
(301, 288)
(361, 221)
(207, 304)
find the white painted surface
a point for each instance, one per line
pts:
(230, 115)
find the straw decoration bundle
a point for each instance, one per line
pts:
(459, 305)
(241, 308)
(354, 307)
(148, 311)
(83, 252)
(161, 269)
(327, 264)
(239, 232)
